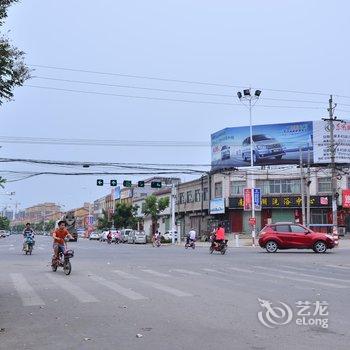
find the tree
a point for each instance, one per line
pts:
(153, 207)
(125, 216)
(2, 181)
(4, 223)
(103, 222)
(13, 70)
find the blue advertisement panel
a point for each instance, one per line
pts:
(272, 144)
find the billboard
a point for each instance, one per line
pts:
(276, 144)
(217, 206)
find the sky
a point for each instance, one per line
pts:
(271, 45)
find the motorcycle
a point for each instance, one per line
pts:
(157, 243)
(190, 244)
(117, 240)
(28, 245)
(63, 261)
(109, 240)
(218, 247)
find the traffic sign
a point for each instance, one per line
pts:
(113, 183)
(99, 182)
(156, 184)
(141, 184)
(252, 221)
(257, 199)
(127, 183)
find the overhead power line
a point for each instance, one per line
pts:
(171, 99)
(183, 81)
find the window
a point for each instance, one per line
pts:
(278, 186)
(298, 229)
(275, 186)
(197, 196)
(205, 194)
(189, 197)
(319, 216)
(282, 228)
(181, 198)
(218, 189)
(236, 187)
(324, 184)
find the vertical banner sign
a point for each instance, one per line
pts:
(247, 199)
(346, 198)
(257, 199)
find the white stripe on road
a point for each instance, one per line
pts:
(214, 271)
(26, 291)
(340, 267)
(302, 280)
(156, 273)
(128, 293)
(304, 274)
(72, 289)
(162, 287)
(240, 270)
(186, 272)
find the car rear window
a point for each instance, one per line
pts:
(282, 228)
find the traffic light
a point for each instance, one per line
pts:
(99, 182)
(127, 183)
(113, 183)
(156, 184)
(141, 184)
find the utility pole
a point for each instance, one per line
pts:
(332, 147)
(308, 183)
(173, 224)
(302, 184)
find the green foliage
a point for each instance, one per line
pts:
(2, 182)
(153, 207)
(124, 216)
(13, 70)
(103, 223)
(4, 223)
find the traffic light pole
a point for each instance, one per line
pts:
(173, 224)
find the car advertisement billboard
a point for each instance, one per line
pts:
(278, 144)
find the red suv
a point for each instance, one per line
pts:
(287, 235)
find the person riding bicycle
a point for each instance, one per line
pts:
(59, 235)
(109, 236)
(191, 236)
(28, 234)
(156, 238)
(219, 236)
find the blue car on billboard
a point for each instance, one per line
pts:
(264, 147)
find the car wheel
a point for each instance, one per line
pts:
(271, 247)
(320, 247)
(278, 157)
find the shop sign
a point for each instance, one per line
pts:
(346, 198)
(247, 203)
(217, 206)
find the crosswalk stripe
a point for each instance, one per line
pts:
(302, 280)
(73, 289)
(162, 287)
(212, 270)
(128, 293)
(186, 272)
(239, 269)
(156, 273)
(305, 274)
(26, 291)
(340, 267)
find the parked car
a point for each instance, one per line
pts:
(168, 235)
(288, 235)
(263, 147)
(125, 234)
(137, 237)
(94, 235)
(2, 234)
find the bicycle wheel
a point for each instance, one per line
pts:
(67, 267)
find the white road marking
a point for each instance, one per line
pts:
(156, 273)
(214, 271)
(162, 287)
(26, 291)
(72, 289)
(340, 267)
(302, 280)
(186, 272)
(128, 293)
(305, 274)
(240, 270)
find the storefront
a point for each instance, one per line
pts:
(277, 208)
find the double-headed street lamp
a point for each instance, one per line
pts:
(251, 100)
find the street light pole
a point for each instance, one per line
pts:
(248, 97)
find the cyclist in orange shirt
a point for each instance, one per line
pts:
(59, 236)
(219, 235)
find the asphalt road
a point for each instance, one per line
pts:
(174, 298)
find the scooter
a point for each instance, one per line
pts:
(190, 244)
(28, 245)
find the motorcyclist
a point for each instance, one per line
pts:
(109, 236)
(28, 234)
(219, 236)
(191, 236)
(59, 235)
